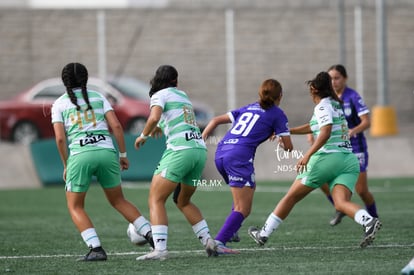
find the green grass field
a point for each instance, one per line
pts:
(38, 237)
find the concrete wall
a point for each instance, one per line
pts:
(287, 40)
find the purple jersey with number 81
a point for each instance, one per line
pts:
(251, 126)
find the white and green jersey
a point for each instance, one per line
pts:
(178, 121)
(329, 111)
(86, 129)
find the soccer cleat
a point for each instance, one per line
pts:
(222, 249)
(95, 254)
(211, 248)
(154, 255)
(409, 268)
(337, 218)
(254, 233)
(149, 239)
(235, 238)
(370, 230)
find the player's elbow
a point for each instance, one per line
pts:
(367, 124)
(60, 140)
(116, 128)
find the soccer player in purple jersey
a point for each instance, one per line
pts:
(252, 125)
(357, 116)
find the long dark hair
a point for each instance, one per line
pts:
(323, 84)
(165, 76)
(269, 91)
(75, 75)
(339, 68)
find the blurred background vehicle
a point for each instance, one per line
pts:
(27, 116)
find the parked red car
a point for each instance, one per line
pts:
(27, 116)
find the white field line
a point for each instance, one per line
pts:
(258, 249)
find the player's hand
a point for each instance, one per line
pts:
(352, 133)
(301, 166)
(280, 143)
(272, 137)
(124, 163)
(139, 142)
(156, 133)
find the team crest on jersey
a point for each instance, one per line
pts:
(347, 111)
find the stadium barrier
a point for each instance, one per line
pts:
(142, 162)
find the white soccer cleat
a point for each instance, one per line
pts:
(409, 268)
(154, 255)
(222, 249)
(211, 247)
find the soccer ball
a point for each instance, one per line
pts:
(134, 237)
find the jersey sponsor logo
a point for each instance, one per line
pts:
(91, 139)
(231, 141)
(346, 145)
(235, 178)
(256, 108)
(192, 135)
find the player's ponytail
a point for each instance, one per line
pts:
(322, 83)
(269, 92)
(75, 75)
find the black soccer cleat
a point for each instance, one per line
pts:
(95, 254)
(254, 233)
(370, 230)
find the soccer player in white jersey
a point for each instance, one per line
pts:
(182, 162)
(81, 116)
(329, 160)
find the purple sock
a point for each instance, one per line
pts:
(372, 210)
(230, 226)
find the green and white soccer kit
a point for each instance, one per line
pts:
(334, 162)
(91, 150)
(186, 153)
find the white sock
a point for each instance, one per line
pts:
(271, 224)
(142, 225)
(90, 237)
(202, 232)
(160, 236)
(362, 217)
